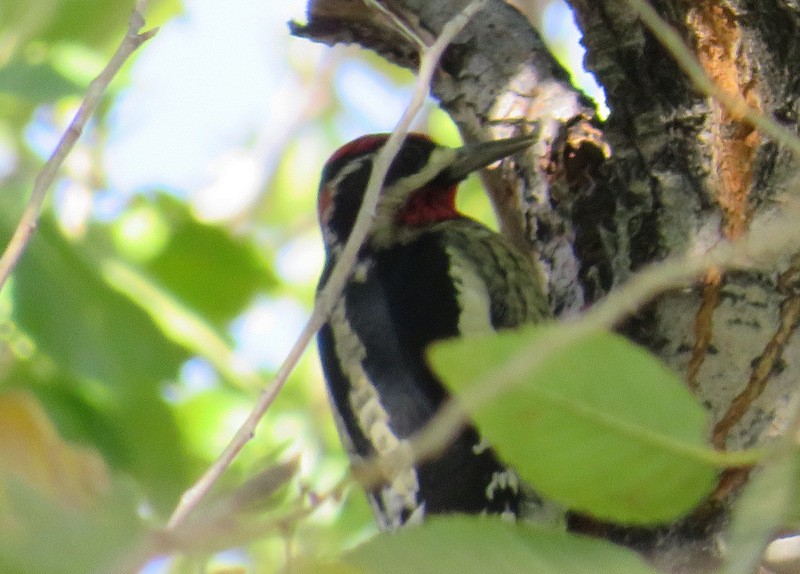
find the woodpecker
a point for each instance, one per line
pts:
(426, 272)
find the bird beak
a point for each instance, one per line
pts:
(478, 155)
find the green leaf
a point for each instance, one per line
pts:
(769, 502)
(82, 21)
(598, 425)
(463, 544)
(60, 510)
(36, 83)
(61, 301)
(98, 25)
(109, 353)
(132, 427)
(207, 268)
(42, 535)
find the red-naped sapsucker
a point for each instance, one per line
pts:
(426, 272)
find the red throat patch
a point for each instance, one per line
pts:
(429, 205)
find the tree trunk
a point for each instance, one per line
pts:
(669, 171)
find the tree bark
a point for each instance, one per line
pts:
(669, 171)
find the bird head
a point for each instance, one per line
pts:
(419, 188)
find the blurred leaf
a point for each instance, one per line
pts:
(205, 419)
(209, 269)
(77, 62)
(258, 489)
(769, 502)
(442, 128)
(88, 22)
(21, 20)
(40, 535)
(241, 515)
(600, 426)
(36, 83)
(160, 11)
(79, 321)
(32, 451)
(59, 510)
(74, 410)
(134, 429)
(294, 188)
(178, 323)
(112, 350)
(330, 568)
(141, 232)
(463, 544)
(155, 452)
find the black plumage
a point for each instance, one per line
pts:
(442, 276)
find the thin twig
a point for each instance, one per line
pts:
(202, 534)
(30, 217)
(328, 297)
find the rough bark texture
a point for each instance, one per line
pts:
(686, 174)
(670, 171)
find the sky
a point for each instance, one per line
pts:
(216, 77)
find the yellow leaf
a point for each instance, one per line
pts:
(33, 453)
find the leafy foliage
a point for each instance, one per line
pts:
(56, 494)
(462, 544)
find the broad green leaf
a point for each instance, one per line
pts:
(463, 544)
(39, 534)
(69, 404)
(599, 425)
(155, 452)
(33, 452)
(134, 430)
(179, 323)
(88, 22)
(61, 301)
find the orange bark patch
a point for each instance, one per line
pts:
(720, 52)
(718, 45)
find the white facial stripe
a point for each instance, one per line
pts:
(351, 167)
(329, 237)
